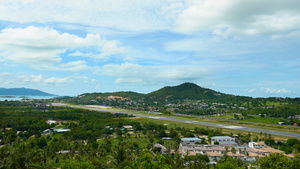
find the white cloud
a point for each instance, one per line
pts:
(74, 66)
(252, 90)
(40, 47)
(269, 90)
(77, 53)
(109, 48)
(125, 14)
(22, 80)
(54, 80)
(247, 17)
(135, 73)
(7, 78)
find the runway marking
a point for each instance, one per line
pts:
(153, 117)
(233, 127)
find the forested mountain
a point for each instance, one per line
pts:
(191, 91)
(188, 91)
(23, 91)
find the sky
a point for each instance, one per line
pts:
(249, 47)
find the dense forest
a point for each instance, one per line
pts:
(96, 140)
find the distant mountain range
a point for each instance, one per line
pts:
(23, 92)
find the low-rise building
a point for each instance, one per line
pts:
(190, 140)
(127, 127)
(167, 138)
(214, 156)
(163, 148)
(272, 150)
(223, 140)
(51, 121)
(236, 155)
(257, 145)
(201, 148)
(290, 156)
(47, 131)
(251, 157)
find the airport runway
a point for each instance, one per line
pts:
(272, 132)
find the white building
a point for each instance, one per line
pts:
(51, 122)
(190, 140)
(257, 145)
(222, 140)
(127, 127)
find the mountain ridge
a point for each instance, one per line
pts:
(23, 91)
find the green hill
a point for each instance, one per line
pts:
(191, 91)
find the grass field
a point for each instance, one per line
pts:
(268, 120)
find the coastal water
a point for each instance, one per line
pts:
(19, 98)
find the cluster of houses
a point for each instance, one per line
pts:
(221, 145)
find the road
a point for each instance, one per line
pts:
(272, 132)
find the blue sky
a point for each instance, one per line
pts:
(248, 47)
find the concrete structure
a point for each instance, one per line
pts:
(257, 145)
(223, 140)
(190, 140)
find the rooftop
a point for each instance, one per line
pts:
(191, 139)
(228, 143)
(235, 155)
(221, 137)
(252, 154)
(214, 154)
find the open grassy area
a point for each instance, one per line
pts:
(226, 116)
(268, 120)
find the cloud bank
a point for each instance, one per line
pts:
(41, 47)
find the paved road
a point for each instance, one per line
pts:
(273, 132)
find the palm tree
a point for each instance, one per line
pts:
(119, 155)
(240, 152)
(233, 150)
(225, 156)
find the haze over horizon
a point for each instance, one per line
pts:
(248, 48)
